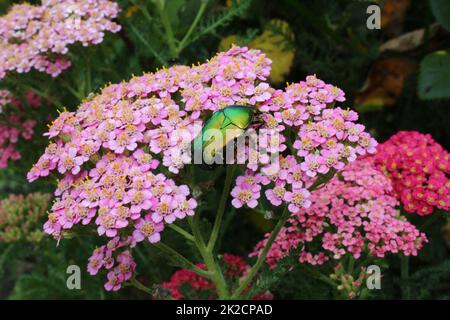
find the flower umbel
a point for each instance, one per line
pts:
(119, 155)
(418, 168)
(37, 37)
(353, 214)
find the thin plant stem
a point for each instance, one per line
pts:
(351, 264)
(216, 273)
(182, 232)
(259, 262)
(88, 77)
(183, 262)
(193, 223)
(135, 283)
(147, 16)
(139, 253)
(281, 222)
(184, 42)
(317, 275)
(221, 209)
(225, 224)
(158, 57)
(167, 29)
(78, 94)
(404, 275)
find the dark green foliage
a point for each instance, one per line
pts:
(432, 282)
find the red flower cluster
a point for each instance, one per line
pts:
(197, 285)
(185, 284)
(418, 167)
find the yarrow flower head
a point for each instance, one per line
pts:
(21, 217)
(119, 266)
(355, 214)
(418, 168)
(14, 127)
(327, 138)
(37, 37)
(185, 284)
(118, 155)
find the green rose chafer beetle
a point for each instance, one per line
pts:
(222, 127)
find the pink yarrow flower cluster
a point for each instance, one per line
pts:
(327, 138)
(37, 37)
(119, 266)
(355, 213)
(109, 154)
(117, 153)
(14, 127)
(418, 168)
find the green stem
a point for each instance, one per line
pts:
(259, 262)
(181, 231)
(167, 29)
(193, 223)
(78, 94)
(182, 261)
(225, 224)
(291, 136)
(284, 217)
(404, 274)
(321, 181)
(313, 272)
(221, 209)
(217, 278)
(144, 11)
(135, 283)
(151, 21)
(351, 264)
(158, 57)
(138, 251)
(216, 273)
(184, 42)
(88, 78)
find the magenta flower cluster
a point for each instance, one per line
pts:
(37, 37)
(355, 213)
(418, 167)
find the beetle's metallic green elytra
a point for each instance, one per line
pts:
(235, 117)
